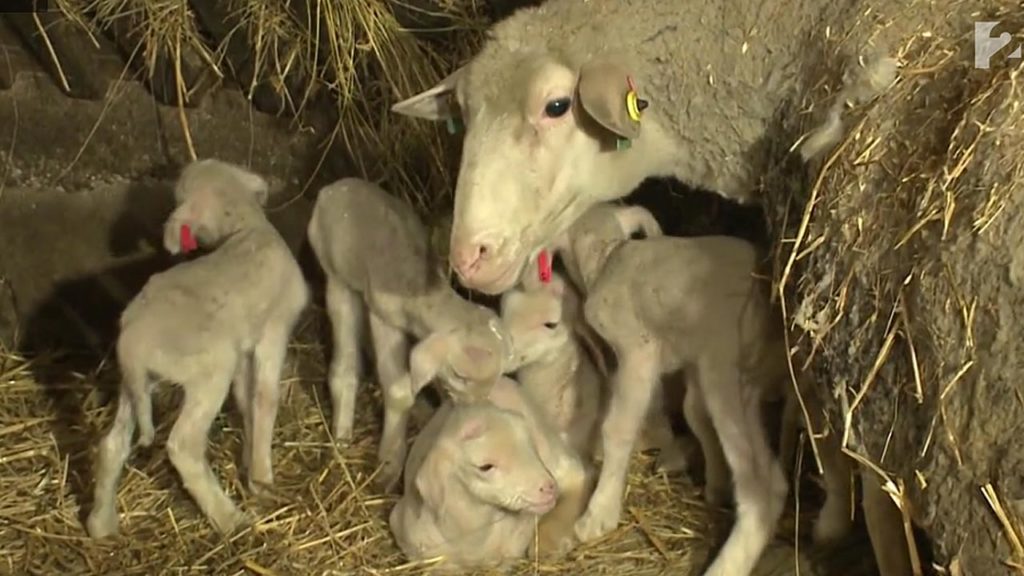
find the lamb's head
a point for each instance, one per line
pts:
(539, 129)
(592, 237)
(532, 313)
(487, 452)
(214, 199)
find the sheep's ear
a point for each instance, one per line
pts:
(603, 87)
(435, 103)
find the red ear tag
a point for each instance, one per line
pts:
(544, 266)
(188, 242)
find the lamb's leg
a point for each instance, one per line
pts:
(632, 387)
(760, 485)
(268, 360)
(885, 528)
(717, 481)
(835, 518)
(345, 309)
(186, 448)
(114, 450)
(241, 389)
(392, 351)
(673, 452)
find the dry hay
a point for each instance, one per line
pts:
(324, 516)
(902, 269)
(355, 52)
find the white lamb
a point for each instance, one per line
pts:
(554, 369)
(480, 476)
(665, 304)
(375, 252)
(220, 321)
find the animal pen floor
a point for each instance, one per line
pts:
(324, 516)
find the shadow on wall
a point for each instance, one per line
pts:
(72, 330)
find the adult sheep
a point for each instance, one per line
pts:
(544, 106)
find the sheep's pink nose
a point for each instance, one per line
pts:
(466, 257)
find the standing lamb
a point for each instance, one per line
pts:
(481, 472)
(560, 89)
(217, 322)
(375, 252)
(664, 304)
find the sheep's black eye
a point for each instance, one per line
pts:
(557, 108)
(551, 325)
(485, 467)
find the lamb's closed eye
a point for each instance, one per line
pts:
(551, 325)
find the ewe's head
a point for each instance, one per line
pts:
(538, 133)
(214, 199)
(533, 316)
(489, 453)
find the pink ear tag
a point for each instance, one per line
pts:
(188, 242)
(544, 266)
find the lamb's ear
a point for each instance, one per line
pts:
(603, 86)
(434, 103)
(431, 480)
(254, 184)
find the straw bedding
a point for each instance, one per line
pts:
(900, 267)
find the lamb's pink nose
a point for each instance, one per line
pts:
(549, 489)
(467, 257)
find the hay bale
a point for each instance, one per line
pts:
(903, 276)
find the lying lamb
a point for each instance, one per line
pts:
(664, 304)
(217, 322)
(479, 478)
(375, 252)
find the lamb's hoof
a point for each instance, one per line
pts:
(232, 522)
(146, 438)
(831, 526)
(592, 526)
(101, 523)
(342, 436)
(672, 460)
(389, 478)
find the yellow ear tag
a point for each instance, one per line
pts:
(633, 106)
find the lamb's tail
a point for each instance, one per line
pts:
(860, 84)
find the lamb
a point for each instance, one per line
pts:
(593, 97)
(554, 369)
(479, 476)
(374, 250)
(665, 304)
(221, 320)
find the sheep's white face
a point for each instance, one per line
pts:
(532, 155)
